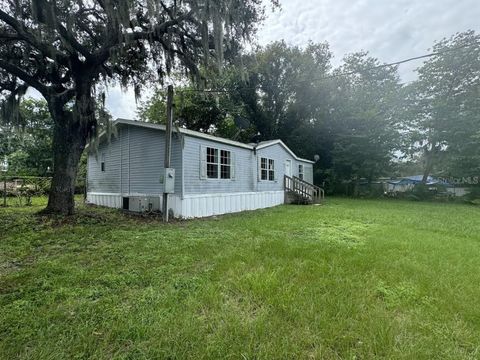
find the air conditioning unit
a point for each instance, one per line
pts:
(143, 203)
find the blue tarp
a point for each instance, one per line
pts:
(417, 179)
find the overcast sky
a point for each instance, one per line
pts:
(390, 30)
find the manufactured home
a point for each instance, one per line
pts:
(208, 175)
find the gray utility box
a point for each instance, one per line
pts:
(144, 203)
(169, 181)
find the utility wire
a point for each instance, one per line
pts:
(396, 63)
(403, 61)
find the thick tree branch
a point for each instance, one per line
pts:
(68, 36)
(10, 36)
(86, 29)
(27, 78)
(66, 95)
(154, 34)
(45, 49)
(167, 10)
(158, 30)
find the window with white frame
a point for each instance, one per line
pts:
(102, 162)
(219, 163)
(225, 164)
(300, 171)
(267, 169)
(212, 163)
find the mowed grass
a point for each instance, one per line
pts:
(351, 279)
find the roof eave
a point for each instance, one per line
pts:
(185, 132)
(278, 141)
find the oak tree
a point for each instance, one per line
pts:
(70, 50)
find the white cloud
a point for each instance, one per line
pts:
(120, 103)
(389, 30)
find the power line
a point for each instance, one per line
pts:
(405, 60)
(396, 63)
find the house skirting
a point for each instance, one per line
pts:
(193, 206)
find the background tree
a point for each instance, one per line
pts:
(66, 50)
(281, 92)
(293, 94)
(281, 89)
(195, 110)
(28, 145)
(362, 111)
(441, 118)
(359, 118)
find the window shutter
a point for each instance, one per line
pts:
(203, 162)
(275, 172)
(232, 165)
(259, 168)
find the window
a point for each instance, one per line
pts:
(225, 164)
(264, 170)
(102, 163)
(212, 163)
(219, 167)
(300, 171)
(267, 169)
(271, 170)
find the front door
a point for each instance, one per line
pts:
(288, 168)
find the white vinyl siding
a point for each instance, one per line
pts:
(308, 173)
(280, 155)
(108, 180)
(239, 165)
(133, 162)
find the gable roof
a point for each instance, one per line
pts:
(264, 144)
(183, 131)
(201, 135)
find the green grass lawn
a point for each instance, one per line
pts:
(351, 279)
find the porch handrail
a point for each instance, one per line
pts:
(303, 188)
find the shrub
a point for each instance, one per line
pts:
(473, 196)
(421, 192)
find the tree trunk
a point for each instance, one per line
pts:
(429, 162)
(71, 131)
(356, 189)
(68, 144)
(426, 173)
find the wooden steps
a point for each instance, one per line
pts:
(298, 191)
